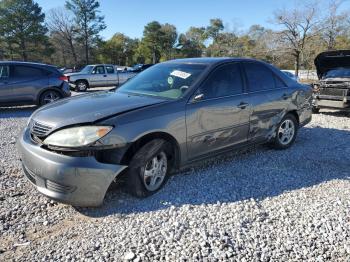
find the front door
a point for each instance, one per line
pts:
(98, 77)
(218, 115)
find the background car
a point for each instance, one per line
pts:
(140, 67)
(291, 75)
(333, 89)
(101, 75)
(23, 83)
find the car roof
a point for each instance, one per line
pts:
(211, 60)
(24, 63)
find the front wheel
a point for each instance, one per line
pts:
(286, 133)
(149, 168)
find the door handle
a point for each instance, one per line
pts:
(243, 105)
(104, 75)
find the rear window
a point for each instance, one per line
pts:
(259, 77)
(20, 71)
(110, 69)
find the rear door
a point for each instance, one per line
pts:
(218, 115)
(26, 82)
(98, 76)
(269, 97)
(6, 94)
(112, 76)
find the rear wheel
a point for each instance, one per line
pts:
(286, 133)
(149, 168)
(49, 97)
(81, 86)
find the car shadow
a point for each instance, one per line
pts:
(258, 173)
(17, 112)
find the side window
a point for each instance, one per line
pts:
(99, 70)
(110, 69)
(4, 72)
(20, 71)
(279, 82)
(223, 81)
(259, 77)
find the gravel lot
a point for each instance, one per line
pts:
(258, 205)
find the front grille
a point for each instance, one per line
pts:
(39, 129)
(333, 91)
(53, 186)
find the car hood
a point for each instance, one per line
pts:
(90, 108)
(331, 59)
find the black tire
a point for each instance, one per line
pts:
(315, 110)
(279, 143)
(135, 177)
(49, 96)
(81, 86)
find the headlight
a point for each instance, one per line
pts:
(77, 136)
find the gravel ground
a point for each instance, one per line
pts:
(258, 205)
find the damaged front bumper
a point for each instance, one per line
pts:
(333, 98)
(78, 181)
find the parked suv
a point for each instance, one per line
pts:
(333, 89)
(166, 117)
(23, 83)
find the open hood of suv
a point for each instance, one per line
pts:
(331, 59)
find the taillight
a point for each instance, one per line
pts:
(64, 78)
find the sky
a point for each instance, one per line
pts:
(130, 17)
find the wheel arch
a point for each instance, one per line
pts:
(295, 114)
(83, 80)
(57, 89)
(136, 145)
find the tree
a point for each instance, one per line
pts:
(61, 25)
(119, 50)
(152, 37)
(334, 24)
(22, 27)
(89, 23)
(215, 27)
(168, 40)
(298, 24)
(191, 43)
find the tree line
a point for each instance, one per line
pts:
(70, 36)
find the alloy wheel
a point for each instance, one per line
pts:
(50, 97)
(286, 132)
(155, 171)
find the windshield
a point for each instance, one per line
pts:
(168, 80)
(338, 72)
(87, 69)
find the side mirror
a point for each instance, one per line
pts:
(198, 97)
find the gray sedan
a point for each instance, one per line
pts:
(169, 116)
